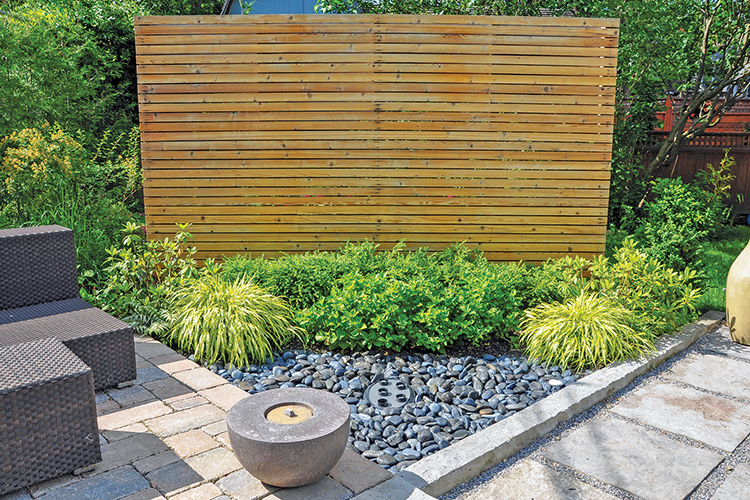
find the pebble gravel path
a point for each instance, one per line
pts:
(453, 396)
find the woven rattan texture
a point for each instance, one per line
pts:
(37, 362)
(37, 264)
(47, 427)
(103, 342)
(42, 310)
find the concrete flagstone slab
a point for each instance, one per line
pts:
(224, 396)
(133, 395)
(710, 419)
(169, 389)
(530, 480)
(112, 485)
(715, 373)
(736, 486)
(148, 464)
(723, 344)
(644, 463)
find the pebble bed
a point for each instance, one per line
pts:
(453, 396)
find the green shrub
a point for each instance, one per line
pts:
(585, 331)
(659, 298)
(303, 279)
(234, 322)
(142, 274)
(378, 310)
(673, 225)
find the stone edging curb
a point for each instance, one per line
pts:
(462, 461)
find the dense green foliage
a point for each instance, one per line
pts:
(73, 62)
(49, 177)
(609, 309)
(587, 331)
(672, 226)
(423, 312)
(230, 321)
(393, 300)
(141, 276)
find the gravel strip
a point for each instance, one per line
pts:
(452, 396)
(601, 411)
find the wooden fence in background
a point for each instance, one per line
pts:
(708, 148)
(277, 134)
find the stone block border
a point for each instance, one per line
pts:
(439, 473)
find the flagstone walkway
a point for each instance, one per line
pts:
(680, 431)
(165, 438)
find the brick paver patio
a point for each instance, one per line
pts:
(165, 438)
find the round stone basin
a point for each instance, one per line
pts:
(289, 437)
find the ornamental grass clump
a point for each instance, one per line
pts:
(587, 331)
(230, 321)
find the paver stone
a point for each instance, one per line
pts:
(357, 473)
(530, 480)
(322, 489)
(710, 419)
(127, 416)
(715, 373)
(199, 379)
(191, 443)
(736, 486)
(241, 485)
(723, 344)
(185, 420)
(644, 463)
(111, 485)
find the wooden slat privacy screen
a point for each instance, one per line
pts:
(285, 133)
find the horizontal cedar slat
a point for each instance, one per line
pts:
(275, 167)
(157, 171)
(377, 181)
(294, 136)
(508, 228)
(244, 89)
(367, 155)
(246, 204)
(380, 107)
(224, 119)
(389, 219)
(371, 125)
(277, 134)
(354, 22)
(395, 237)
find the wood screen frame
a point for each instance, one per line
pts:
(275, 134)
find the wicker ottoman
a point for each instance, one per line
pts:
(47, 414)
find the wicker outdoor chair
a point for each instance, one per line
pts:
(39, 299)
(47, 414)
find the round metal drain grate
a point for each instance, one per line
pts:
(390, 393)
